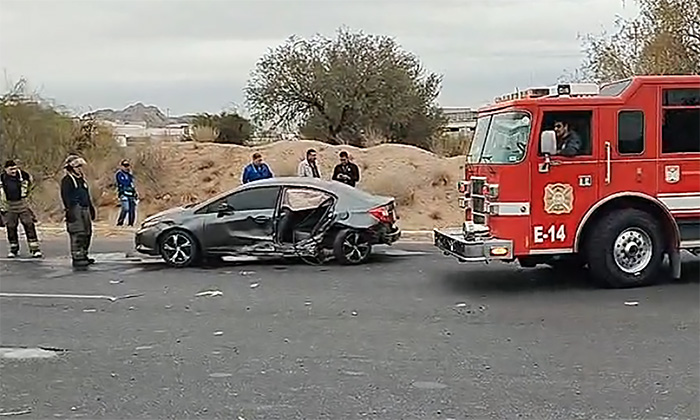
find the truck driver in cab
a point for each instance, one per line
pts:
(568, 141)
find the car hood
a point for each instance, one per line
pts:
(171, 212)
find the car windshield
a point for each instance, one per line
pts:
(500, 138)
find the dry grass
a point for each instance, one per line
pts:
(403, 192)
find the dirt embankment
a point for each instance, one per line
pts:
(422, 183)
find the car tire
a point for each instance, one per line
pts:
(626, 249)
(351, 247)
(179, 248)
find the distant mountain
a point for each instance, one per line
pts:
(139, 113)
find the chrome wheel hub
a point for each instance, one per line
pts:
(177, 248)
(632, 250)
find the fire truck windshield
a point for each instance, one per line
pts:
(500, 138)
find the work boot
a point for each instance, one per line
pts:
(80, 264)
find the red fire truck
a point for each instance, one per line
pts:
(578, 175)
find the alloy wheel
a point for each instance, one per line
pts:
(355, 247)
(177, 248)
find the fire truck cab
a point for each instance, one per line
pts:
(577, 175)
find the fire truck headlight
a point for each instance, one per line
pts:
(499, 251)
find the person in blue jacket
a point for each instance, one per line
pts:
(128, 196)
(256, 170)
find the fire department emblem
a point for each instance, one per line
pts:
(558, 198)
(673, 174)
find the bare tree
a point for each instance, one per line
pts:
(663, 39)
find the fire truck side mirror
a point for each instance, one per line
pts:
(548, 143)
(548, 147)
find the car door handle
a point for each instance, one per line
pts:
(261, 219)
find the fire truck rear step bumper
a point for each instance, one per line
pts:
(452, 242)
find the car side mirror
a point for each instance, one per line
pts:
(224, 210)
(548, 147)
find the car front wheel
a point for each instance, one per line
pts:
(351, 247)
(179, 248)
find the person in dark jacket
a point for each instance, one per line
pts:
(15, 186)
(126, 191)
(568, 141)
(346, 171)
(80, 212)
(256, 170)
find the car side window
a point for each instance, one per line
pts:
(303, 198)
(264, 198)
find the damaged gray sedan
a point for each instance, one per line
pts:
(279, 217)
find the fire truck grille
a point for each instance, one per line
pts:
(479, 219)
(477, 186)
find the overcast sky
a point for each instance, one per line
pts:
(194, 56)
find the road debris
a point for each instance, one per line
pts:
(15, 413)
(116, 281)
(89, 310)
(218, 333)
(254, 285)
(632, 303)
(353, 313)
(246, 273)
(461, 305)
(210, 293)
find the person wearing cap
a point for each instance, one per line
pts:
(256, 170)
(126, 191)
(15, 186)
(80, 212)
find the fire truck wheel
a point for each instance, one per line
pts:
(626, 249)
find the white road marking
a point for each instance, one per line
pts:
(65, 296)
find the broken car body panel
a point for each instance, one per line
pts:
(282, 217)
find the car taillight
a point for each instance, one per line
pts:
(384, 214)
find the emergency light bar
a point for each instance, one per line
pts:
(566, 90)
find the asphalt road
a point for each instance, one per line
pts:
(413, 335)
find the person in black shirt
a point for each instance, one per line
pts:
(346, 171)
(80, 212)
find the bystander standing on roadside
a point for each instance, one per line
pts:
(346, 171)
(80, 212)
(128, 196)
(15, 186)
(309, 166)
(256, 170)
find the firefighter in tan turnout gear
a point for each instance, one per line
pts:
(15, 186)
(79, 209)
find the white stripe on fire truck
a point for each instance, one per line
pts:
(681, 203)
(512, 209)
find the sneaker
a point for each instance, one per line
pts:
(12, 254)
(37, 254)
(91, 261)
